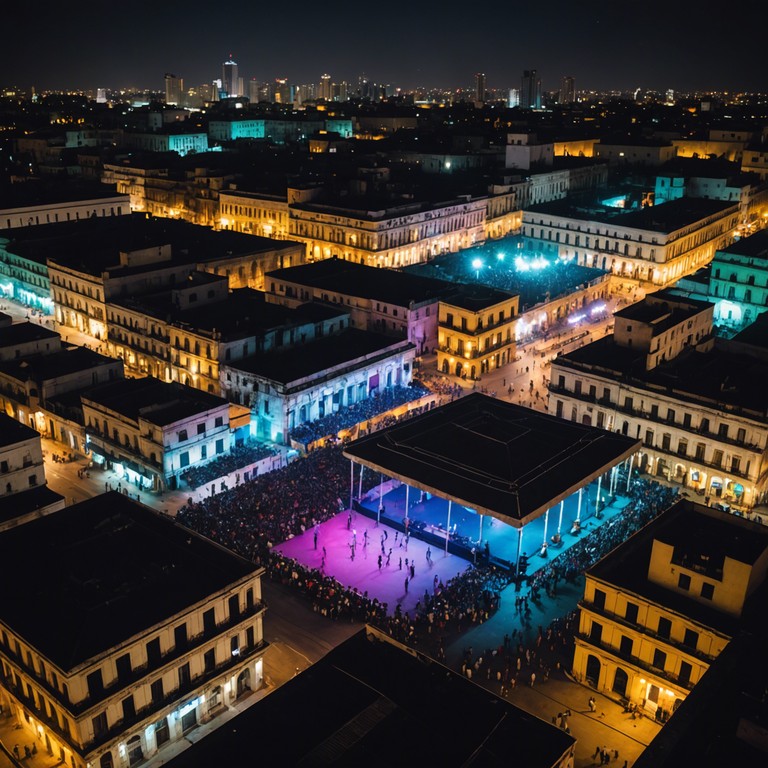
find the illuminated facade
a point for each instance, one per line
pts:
(152, 432)
(662, 606)
(652, 247)
(738, 281)
(476, 331)
(173, 644)
(664, 379)
(22, 475)
(254, 213)
(334, 371)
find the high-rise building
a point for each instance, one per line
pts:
(230, 81)
(324, 88)
(530, 90)
(480, 87)
(567, 91)
(514, 98)
(174, 88)
(253, 90)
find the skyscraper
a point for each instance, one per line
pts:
(530, 90)
(324, 88)
(480, 88)
(174, 88)
(230, 82)
(567, 91)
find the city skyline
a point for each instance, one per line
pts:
(604, 48)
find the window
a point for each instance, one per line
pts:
(659, 658)
(95, 684)
(741, 435)
(209, 660)
(180, 636)
(736, 464)
(625, 645)
(99, 724)
(182, 435)
(685, 672)
(219, 421)
(684, 581)
(209, 620)
(717, 458)
(153, 651)
(219, 446)
(670, 414)
(234, 645)
(630, 614)
(596, 632)
(201, 428)
(156, 690)
(691, 638)
(665, 627)
(704, 425)
(123, 664)
(707, 590)
(599, 599)
(234, 607)
(184, 675)
(722, 430)
(129, 708)
(686, 419)
(184, 459)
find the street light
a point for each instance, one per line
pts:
(477, 265)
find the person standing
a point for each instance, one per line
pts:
(406, 583)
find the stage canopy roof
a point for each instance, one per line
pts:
(497, 458)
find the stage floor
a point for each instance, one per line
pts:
(339, 536)
(386, 583)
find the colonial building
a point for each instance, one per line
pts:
(660, 608)
(697, 402)
(285, 389)
(23, 491)
(382, 300)
(476, 330)
(151, 432)
(174, 632)
(653, 247)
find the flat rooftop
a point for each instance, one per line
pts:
(385, 705)
(296, 363)
(726, 375)
(498, 458)
(665, 218)
(13, 431)
(663, 310)
(754, 247)
(24, 333)
(352, 279)
(93, 246)
(17, 505)
(704, 534)
(105, 570)
(44, 367)
(158, 402)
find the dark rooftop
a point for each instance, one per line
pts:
(724, 376)
(296, 363)
(384, 705)
(755, 246)
(103, 571)
(23, 333)
(499, 458)
(158, 402)
(44, 367)
(663, 310)
(94, 245)
(665, 218)
(13, 431)
(352, 279)
(48, 191)
(699, 531)
(17, 505)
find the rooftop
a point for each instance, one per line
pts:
(23, 333)
(755, 247)
(155, 401)
(663, 310)
(498, 458)
(17, 505)
(296, 363)
(666, 218)
(13, 431)
(45, 367)
(699, 531)
(105, 570)
(391, 705)
(352, 279)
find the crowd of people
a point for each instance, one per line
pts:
(239, 456)
(361, 411)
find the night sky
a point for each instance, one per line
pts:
(656, 45)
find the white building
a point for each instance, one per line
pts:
(151, 431)
(698, 403)
(158, 630)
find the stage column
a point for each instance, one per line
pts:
(613, 481)
(381, 492)
(629, 474)
(360, 484)
(448, 526)
(407, 496)
(546, 522)
(597, 501)
(480, 540)
(578, 507)
(519, 551)
(351, 481)
(560, 519)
